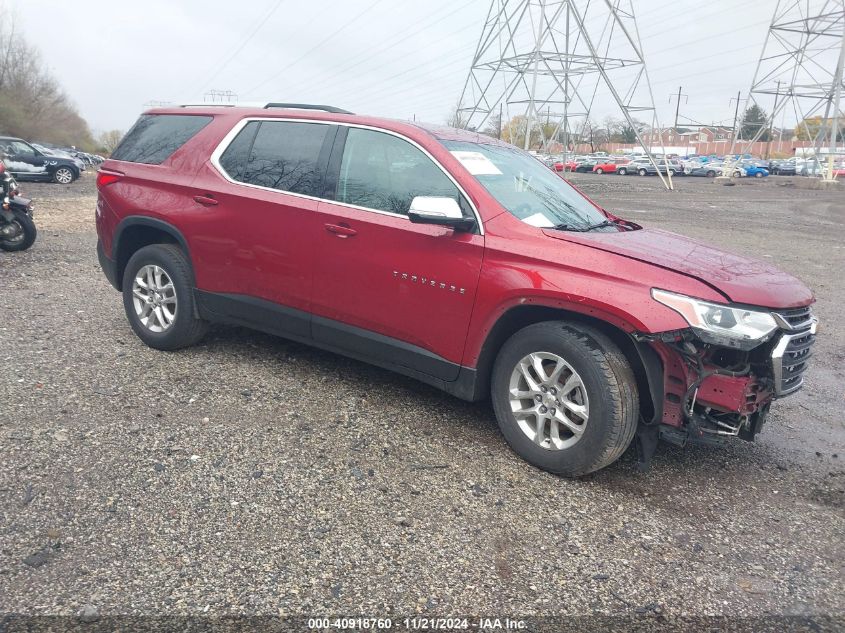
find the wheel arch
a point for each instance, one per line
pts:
(136, 232)
(646, 365)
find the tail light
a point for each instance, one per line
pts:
(105, 178)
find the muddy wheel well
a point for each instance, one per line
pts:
(522, 316)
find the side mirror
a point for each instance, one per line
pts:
(439, 210)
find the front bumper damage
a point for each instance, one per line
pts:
(712, 394)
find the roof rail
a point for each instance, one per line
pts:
(308, 106)
(254, 104)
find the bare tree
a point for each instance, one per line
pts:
(494, 126)
(110, 140)
(456, 117)
(32, 103)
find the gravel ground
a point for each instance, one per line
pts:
(213, 481)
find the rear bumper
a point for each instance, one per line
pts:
(109, 266)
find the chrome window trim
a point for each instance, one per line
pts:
(230, 136)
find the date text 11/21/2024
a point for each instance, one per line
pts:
(417, 624)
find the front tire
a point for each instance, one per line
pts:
(642, 172)
(64, 176)
(565, 398)
(599, 171)
(622, 172)
(158, 296)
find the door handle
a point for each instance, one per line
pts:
(206, 201)
(341, 230)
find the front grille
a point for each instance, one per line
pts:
(795, 319)
(791, 353)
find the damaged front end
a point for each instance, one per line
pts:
(720, 375)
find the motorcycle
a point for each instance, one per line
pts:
(17, 228)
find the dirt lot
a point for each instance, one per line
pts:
(213, 481)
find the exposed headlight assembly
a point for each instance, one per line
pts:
(720, 324)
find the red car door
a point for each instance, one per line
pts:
(252, 238)
(385, 288)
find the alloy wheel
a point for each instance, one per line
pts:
(64, 175)
(548, 400)
(154, 298)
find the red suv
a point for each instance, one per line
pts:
(453, 258)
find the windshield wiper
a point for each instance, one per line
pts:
(600, 225)
(583, 229)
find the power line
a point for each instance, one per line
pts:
(432, 105)
(345, 26)
(243, 44)
(461, 51)
(379, 93)
(652, 54)
(396, 38)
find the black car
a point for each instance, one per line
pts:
(585, 166)
(782, 167)
(28, 163)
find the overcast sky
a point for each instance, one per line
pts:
(394, 58)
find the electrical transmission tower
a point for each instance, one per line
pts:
(560, 55)
(220, 96)
(801, 68)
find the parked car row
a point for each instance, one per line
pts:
(39, 161)
(622, 165)
(88, 160)
(798, 167)
(702, 166)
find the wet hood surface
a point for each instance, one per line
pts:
(741, 279)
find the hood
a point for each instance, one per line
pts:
(740, 279)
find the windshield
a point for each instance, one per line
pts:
(529, 190)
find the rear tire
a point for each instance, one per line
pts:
(711, 174)
(22, 241)
(606, 391)
(167, 321)
(64, 176)
(643, 172)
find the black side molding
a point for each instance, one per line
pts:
(254, 313)
(340, 338)
(355, 340)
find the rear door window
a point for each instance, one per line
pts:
(154, 137)
(283, 155)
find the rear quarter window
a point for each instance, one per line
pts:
(154, 137)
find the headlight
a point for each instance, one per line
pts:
(720, 324)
